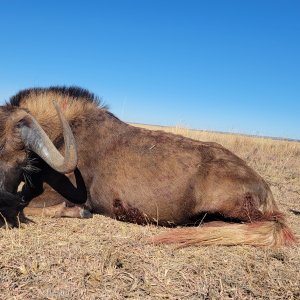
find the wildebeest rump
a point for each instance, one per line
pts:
(141, 176)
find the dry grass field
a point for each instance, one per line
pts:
(101, 258)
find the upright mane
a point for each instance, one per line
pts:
(77, 104)
(72, 92)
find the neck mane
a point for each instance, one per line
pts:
(75, 103)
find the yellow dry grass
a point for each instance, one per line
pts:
(101, 258)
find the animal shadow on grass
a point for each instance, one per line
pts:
(204, 218)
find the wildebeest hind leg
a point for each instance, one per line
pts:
(243, 208)
(52, 204)
(59, 210)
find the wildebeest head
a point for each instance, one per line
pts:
(20, 134)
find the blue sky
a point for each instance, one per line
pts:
(226, 65)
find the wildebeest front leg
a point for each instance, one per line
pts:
(11, 210)
(56, 195)
(59, 210)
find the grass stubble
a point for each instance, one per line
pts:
(101, 258)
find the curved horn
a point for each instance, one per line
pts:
(36, 139)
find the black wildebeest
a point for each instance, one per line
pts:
(129, 173)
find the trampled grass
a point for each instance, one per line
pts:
(101, 258)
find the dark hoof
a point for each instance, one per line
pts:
(85, 214)
(24, 220)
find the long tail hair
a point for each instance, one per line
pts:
(273, 232)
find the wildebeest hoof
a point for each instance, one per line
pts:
(25, 220)
(85, 214)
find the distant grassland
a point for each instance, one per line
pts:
(228, 140)
(101, 258)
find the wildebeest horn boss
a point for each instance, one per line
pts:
(131, 174)
(35, 139)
